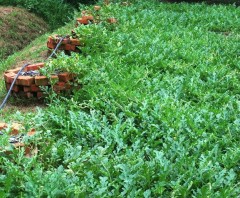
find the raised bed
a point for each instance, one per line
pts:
(15, 139)
(30, 81)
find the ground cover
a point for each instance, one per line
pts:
(158, 114)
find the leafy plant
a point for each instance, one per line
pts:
(157, 116)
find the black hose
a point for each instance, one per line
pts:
(25, 65)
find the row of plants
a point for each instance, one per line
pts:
(158, 114)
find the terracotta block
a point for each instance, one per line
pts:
(88, 17)
(82, 21)
(41, 80)
(25, 80)
(16, 70)
(112, 20)
(75, 42)
(51, 45)
(54, 78)
(97, 8)
(35, 88)
(15, 87)
(9, 77)
(65, 76)
(69, 47)
(55, 40)
(59, 86)
(36, 66)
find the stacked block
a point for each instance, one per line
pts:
(68, 44)
(15, 140)
(29, 83)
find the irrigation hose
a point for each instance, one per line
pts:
(23, 67)
(59, 43)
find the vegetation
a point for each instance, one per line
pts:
(158, 114)
(15, 34)
(56, 12)
(236, 2)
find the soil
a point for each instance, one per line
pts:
(18, 28)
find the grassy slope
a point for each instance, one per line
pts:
(18, 29)
(158, 114)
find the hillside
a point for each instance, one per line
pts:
(18, 28)
(158, 114)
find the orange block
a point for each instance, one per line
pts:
(9, 77)
(25, 80)
(36, 66)
(41, 80)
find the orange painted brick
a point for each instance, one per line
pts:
(34, 88)
(66, 41)
(41, 80)
(65, 76)
(59, 86)
(69, 47)
(16, 70)
(36, 66)
(55, 40)
(75, 41)
(88, 17)
(54, 77)
(83, 21)
(15, 87)
(9, 77)
(51, 45)
(25, 80)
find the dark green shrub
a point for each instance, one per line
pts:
(236, 2)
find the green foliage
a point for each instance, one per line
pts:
(56, 12)
(237, 2)
(158, 114)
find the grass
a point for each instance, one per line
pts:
(158, 114)
(16, 34)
